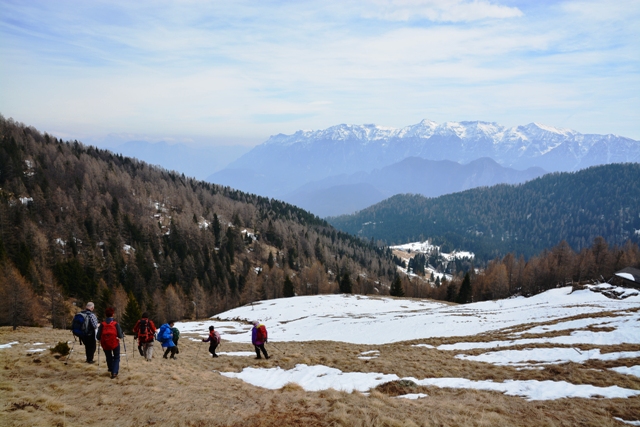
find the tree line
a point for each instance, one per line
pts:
(513, 275)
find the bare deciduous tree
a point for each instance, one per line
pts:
(18, 306)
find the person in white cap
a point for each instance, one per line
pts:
(258, 338)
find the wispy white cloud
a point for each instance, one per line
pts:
(248, 70)
(439, 10)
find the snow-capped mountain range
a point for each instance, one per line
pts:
(284, 163)
(519, 146)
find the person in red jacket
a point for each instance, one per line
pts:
(258, 338)
(109, 334)
(145, 331)
(214, 340)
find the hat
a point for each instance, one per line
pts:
(255, 323)
(211, 328)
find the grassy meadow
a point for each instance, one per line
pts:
(38, 389)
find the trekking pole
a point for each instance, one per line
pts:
(274, 346)
(133, 342)
(98, 357)
(70, 351)
(199, 347)
(126, 356)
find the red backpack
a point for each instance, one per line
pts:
(109, 336)
(145, 334)
(262, 333)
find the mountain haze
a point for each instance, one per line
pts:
(282, 165)
(340, 194)
(197, 162)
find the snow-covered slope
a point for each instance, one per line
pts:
(361, 319)
(561, 326)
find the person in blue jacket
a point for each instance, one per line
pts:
(165, 336)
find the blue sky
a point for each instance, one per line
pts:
(237, 72)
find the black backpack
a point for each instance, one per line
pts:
(80, 324)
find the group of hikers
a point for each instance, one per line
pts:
(86, 327)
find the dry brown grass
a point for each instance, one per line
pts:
(39, 390)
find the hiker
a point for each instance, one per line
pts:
(145, 332)
(175, 333)
(110, 334)
(84, 326)
(214, 340)
(258, 338)
(166, 338)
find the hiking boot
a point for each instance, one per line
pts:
(113, 375)
(215, 355)
(266, 357)
(91, 362)
(164, 356)
(258, 357)
(173, 357)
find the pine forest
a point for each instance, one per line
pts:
(79, 223)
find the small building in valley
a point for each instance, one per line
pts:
(628, 277)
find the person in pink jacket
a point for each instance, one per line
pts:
(258, 338)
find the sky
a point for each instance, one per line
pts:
(229, 73)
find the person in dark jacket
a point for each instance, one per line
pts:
(145, 331)
(258, 338)
(213, 340)
(109, 334)
(89, 340)
(175, 337)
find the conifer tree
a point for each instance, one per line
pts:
(287, 289)
(345, 284)
(215, 227)
(464, 295)
(131, 314)
(105, 300)
(396, 288)
(270, 261)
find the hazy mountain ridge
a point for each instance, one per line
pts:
(341, 194)
(284, 163)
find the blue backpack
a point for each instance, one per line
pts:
(164, 334)
(80, 324)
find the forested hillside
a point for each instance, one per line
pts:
(79, 223)
(522, 219)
